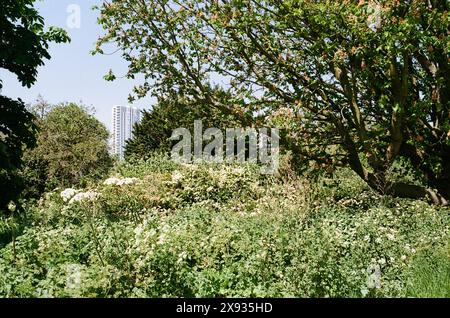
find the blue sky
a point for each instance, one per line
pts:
(73, 74)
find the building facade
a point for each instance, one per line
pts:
(124, 118)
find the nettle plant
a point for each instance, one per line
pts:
(367, 77)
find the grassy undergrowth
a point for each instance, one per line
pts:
(159, 229)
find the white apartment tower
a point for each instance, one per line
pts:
(124, 118)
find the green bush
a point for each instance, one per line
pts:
(72, 150)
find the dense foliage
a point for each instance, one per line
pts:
(72, 147)
(369, 79)
(23, 48)
(159, 229)
(16, 132)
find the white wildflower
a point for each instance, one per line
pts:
(111, 181)
(177, 176)
(181, 257)
(138, 230)
(68, 194)
(238, 171)
(364, 292)
(12, 206)
(390, 237)
(262, 255)
(120, 182)
(89, 196)
(128, 181)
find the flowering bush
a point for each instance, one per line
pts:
(68, 194)
(89, 195)
(120, 182)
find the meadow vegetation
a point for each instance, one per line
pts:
(160, 229)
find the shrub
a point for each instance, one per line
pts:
(71, 150)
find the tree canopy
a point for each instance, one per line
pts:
(72, 146)
(368, 77)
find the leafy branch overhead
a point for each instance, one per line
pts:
(24, 44)
(369, 79)
(23, 39)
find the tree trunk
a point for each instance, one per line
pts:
(379, 183)
(404, 190)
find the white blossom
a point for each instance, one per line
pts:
(390, 236)
(177, 176)
(161, 239)
(12, 206)
(90, 196)
(120, 182)
(68, 194)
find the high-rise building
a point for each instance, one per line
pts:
(124, 118)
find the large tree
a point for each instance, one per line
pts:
(72, 147)
(23, 48)
(369, 78)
